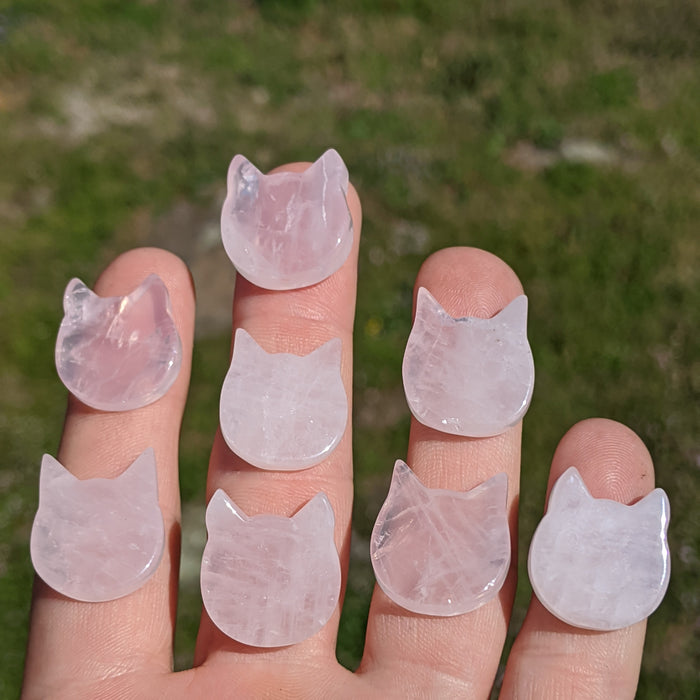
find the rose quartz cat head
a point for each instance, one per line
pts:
(468, 376)
(97, 539)
(596, 563)
(268, 580)
(287, 230)
(281, 411)
(118, 353)
(440, 552)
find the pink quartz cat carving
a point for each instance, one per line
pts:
(281, 411)
(596, 563)
(287, 230)
(118, 353)
(268, 580)
(97, 539)
(440, 552)
(468, 376)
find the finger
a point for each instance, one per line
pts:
(550, 658)
(296, 321)
(73, 643)
(452, 656)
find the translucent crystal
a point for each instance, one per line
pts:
(287, 230)
(267, 580)
(118, 353)
(282, 411)
(597, 563)
(468, 376)
(439, 552)
(97, 539)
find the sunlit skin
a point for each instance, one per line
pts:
(123, 648)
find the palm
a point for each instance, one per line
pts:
(124, 648)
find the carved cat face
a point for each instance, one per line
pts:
(468, 376)
(287, 230)
(268, 580)
(118, 353)
(596, 563)
(440, 552)
(282, 411)
(97, 539)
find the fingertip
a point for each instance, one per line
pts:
(612, 459)
(130, 268)
(471, 281)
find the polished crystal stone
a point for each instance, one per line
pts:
(597, 563)
(287, 230)
(440, 552)
(267, 580)
(97, 539)
(118, 353)
(281, 411)
(468, 376)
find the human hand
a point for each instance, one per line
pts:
(123, 648)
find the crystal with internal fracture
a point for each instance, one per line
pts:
(97, 539)
(282, 411)
(118, 353)
(287, 230)
(596, 563)
(468, 376)
(440, 552)
(267, 580)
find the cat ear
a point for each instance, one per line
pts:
(403, 479)
(153, 287)
(495, 489)
(514, 315)
(76, 295)
(329, 162)
(51, 471)
(316, 516)
(246, 350)
(222, 509)
(142, 472)
(568, 492)
(241, 170)
(244, 342)
(329, 352)
(428, 307)
(655, 505)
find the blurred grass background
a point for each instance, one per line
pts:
(561, 135)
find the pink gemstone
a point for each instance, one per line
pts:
(281, 411)
(97, 539)
(440, 552)
(118, 353)
(287, 230)
(468, 376)
(596, 563)
(266, 580)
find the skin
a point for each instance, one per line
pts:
(123, 648)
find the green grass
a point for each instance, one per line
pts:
(112, 115)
